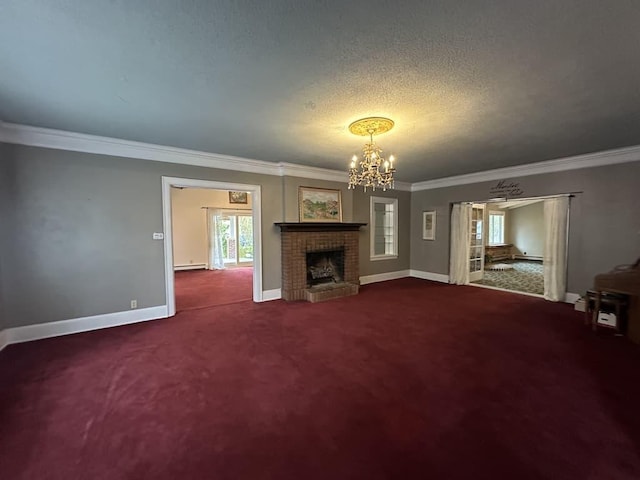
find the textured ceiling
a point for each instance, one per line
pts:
(471, 85)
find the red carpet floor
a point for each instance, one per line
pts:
(208, 288)
(409, 379)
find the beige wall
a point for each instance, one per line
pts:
(526, 230)
(189, 222)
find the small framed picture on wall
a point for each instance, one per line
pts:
(429, 225)
(238, 197)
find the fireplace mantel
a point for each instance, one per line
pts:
(319, 226)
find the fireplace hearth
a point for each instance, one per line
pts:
(319, 260)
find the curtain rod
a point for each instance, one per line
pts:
(541, 197)
(229, 208)
(516, 199)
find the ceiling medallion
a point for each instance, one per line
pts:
(373, 170)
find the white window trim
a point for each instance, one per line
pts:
(504, 227)
(387, 201)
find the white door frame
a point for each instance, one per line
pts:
(569, 296)
(477, 275)
(254, 190)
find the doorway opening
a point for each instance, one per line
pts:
(510, 251)
(212, 243)
(513, 245)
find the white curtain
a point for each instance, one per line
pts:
(556, 216)
(460, 244)
(214, 233)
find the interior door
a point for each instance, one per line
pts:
(476, 250)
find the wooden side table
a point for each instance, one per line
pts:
(597, 300)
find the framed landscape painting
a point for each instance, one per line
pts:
(320, 204)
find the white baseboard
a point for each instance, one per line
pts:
(383, 277)
(4, 339)
(528, 257)
(191, 266)
(84, 324)
(568, 297)
(274, 294)
(571, 297)
(489, 287)
(436, 277)
(96, 322)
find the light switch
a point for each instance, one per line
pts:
(158, 236)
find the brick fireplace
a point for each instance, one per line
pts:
(319, 260)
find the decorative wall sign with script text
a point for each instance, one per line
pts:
(506, 189)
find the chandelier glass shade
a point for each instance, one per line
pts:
(373, 170)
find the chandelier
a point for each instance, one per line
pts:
(373, 170)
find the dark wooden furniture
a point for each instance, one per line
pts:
(498, 252)
(605, 301)
(624, 280)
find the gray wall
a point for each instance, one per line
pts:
(5, 210)
(82, 227)
(525, 230)
(604, 224)
(290, 197)
(361, 206)
(355, 208)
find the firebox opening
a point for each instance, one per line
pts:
(325, 267)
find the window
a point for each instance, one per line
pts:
(384, 228)
(496, 228)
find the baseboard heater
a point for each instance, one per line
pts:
(191, 266)
(528, 257)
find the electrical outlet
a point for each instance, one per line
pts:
(134, 304)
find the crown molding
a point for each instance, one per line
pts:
(597, 159)
(80, 142)
(295, 170)
(403, 186)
